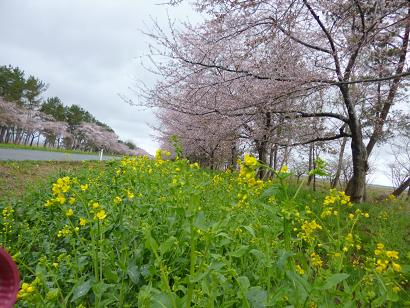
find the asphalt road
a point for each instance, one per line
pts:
(17, 154)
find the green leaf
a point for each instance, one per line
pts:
(198, 276)
(283, 259)
(333, 280)
(243, 282)
(200, 221)
(270, 191)
(134, 274)
(257, 253)
(240, 251)
(52, 294)
(257, 297)
(161, 300)
(151, 243)
(300, 282)
(82, 290)
(167, 245)
(100, 288)
(250, 230)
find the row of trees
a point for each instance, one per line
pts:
(279, 77)
(25, 118)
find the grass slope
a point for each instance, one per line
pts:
(41, 148)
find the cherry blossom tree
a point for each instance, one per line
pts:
(290, 49)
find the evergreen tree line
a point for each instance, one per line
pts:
(28, 119)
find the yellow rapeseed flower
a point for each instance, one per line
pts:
(392, 254)
(130, 195)
(299, 270)
(84, 187)
(250, 161)
(83, 221)
(117, 200)
(26, 290)
(194, 166)
(284, 169)
(316, 260)
(101, 215)
(69, 212)
(396, 267)
(60, 199)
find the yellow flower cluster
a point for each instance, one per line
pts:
(308, 229)
(59, 189)
(8, 219)
(26, 290)
(67, 231)
(194, 166)
(82, 221)
(100, 215)
(299, 270)
(62, 185)
(386, 259)
(315, 260)
(69, 212)
(130, 195)
(284, 169)
(248, 167)
(332, 201)
(160, 154)
(337, 197)
(351, 242)
(117, 200)
(247, 171)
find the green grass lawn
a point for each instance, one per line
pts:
(154, 233)
(41, 148)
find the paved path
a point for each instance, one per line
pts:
(17, 154)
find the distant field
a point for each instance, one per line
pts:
(17, 177)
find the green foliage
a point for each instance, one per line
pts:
(161, 233)
(54, 107)
(177, 145)
(14, 87)
(320, 166)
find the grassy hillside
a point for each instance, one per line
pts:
(157, 233)
(41, 148)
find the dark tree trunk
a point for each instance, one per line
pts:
(3, 133)
(262, 156)
(336, 179)
(399, 190)
(275, 157)
(356, 186)
(32, 139)
(8, 135)
(234, 157)
(212, 160)
(311, 161)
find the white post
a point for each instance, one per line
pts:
(101, 154)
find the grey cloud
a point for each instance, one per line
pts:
(86, 50)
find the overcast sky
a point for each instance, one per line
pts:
(88, 51)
